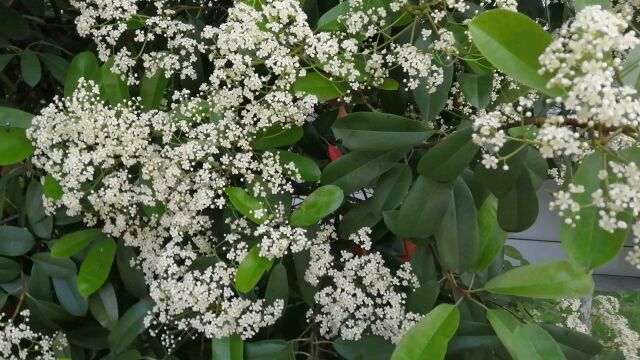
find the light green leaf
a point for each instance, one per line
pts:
(15, 241)
(307, 168)
(514, 52)
(428, 339)
(504, 324)
(72, 243)
(84, 65)
(450, 157)
(52, 188)
(320, 203)
(229, 348)
(548, 280)
(96, 267)
(14, 118)
(581, 4)
(247, 205)
(30, 67)
(319, 85)
(532, 342)
(251, 269)
(14, 146)
(492, 237)
(112, 87)
(369, 131)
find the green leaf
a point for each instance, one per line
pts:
(9, 270)
(15, 241)
(431, 104)
(630, 73)
(14, 118)
(30, 67)
(307, 168)
(112, 87)
(423, 209)
(104, 306)
(278, 286)
(356, 170)
(57, 66)
(548, 280)
(96, 267)
(492, 237)
(69, 297)
(72, 243)
(514, 52)
(573, 341)
(228, 348)
(319, 85)
(251, 269)
(41, 224)
(129, 326)
(330, 19)
(428, 339)
(450, 157)
(389, 84)
(4, 60)
(581, 4)
(247, 205)
(368, 347)
(84, 65)
(301, 261)
(39, 284)
(132, 277)
(52, 188)
(320, 203)
(518, 209)
(56, 268)
(533, 343)
(370, 131)
(152, 90)
(477, 89)
(14, 146)
(457, 238)
(504, 324)
(275, 137)
(269, 350)
(422, 300)
(584, 241)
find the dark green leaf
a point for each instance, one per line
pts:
(356, 170)
(275, 137)
(370, 131)
(15, 241)
(4, 60)
(251, 269)
(130, 325)
(30, 67)
(477, 89)
(9, 270)
(69, 297)
(41, 223)
(72, 243)
(423, 209)
(14, 146)
(57, 268)
(514, 52)
(278, 285)
(518, 209)
(450, 157)
(96, 267)
(152, 90)
(421, 301)
(320, 203)
(492, 237)
(533, 343)
(57, 66)
(431, 104)
(369, 347)
(132, 277)
(269, 350)
(104, 306)
(551, 280)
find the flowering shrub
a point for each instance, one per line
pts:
(283, 179)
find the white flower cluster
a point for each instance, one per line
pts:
(363, 296)
(18, 341)
(584, 60)
(605, 312)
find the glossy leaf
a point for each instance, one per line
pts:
(69, 297)
(54, 267)
(320, 203)
(30, 67)
(371, 131)
(52, 188)
(84, 65)
(491, 235)
(152, 90)
(423, 209)
(307, 168)
(319, 85)
(251, 269)
(450, 157)
(549, 280)
(428, 339)
(477, 89)
(15, 241)
(228, 348)
(275, 137)
(9, 270)
(277, 286)
(457, 238)
(129, 326)
(14, 146)
(246, 204)
(96, 266)
(356, 170)
(516, 51)
(432, 104)
(72, 243)
(104, 306)
(533, 343)
(112, 87)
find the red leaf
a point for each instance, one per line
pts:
(334, 152)
(409, 248)
(357, 250)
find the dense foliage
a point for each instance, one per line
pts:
(291, 179)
